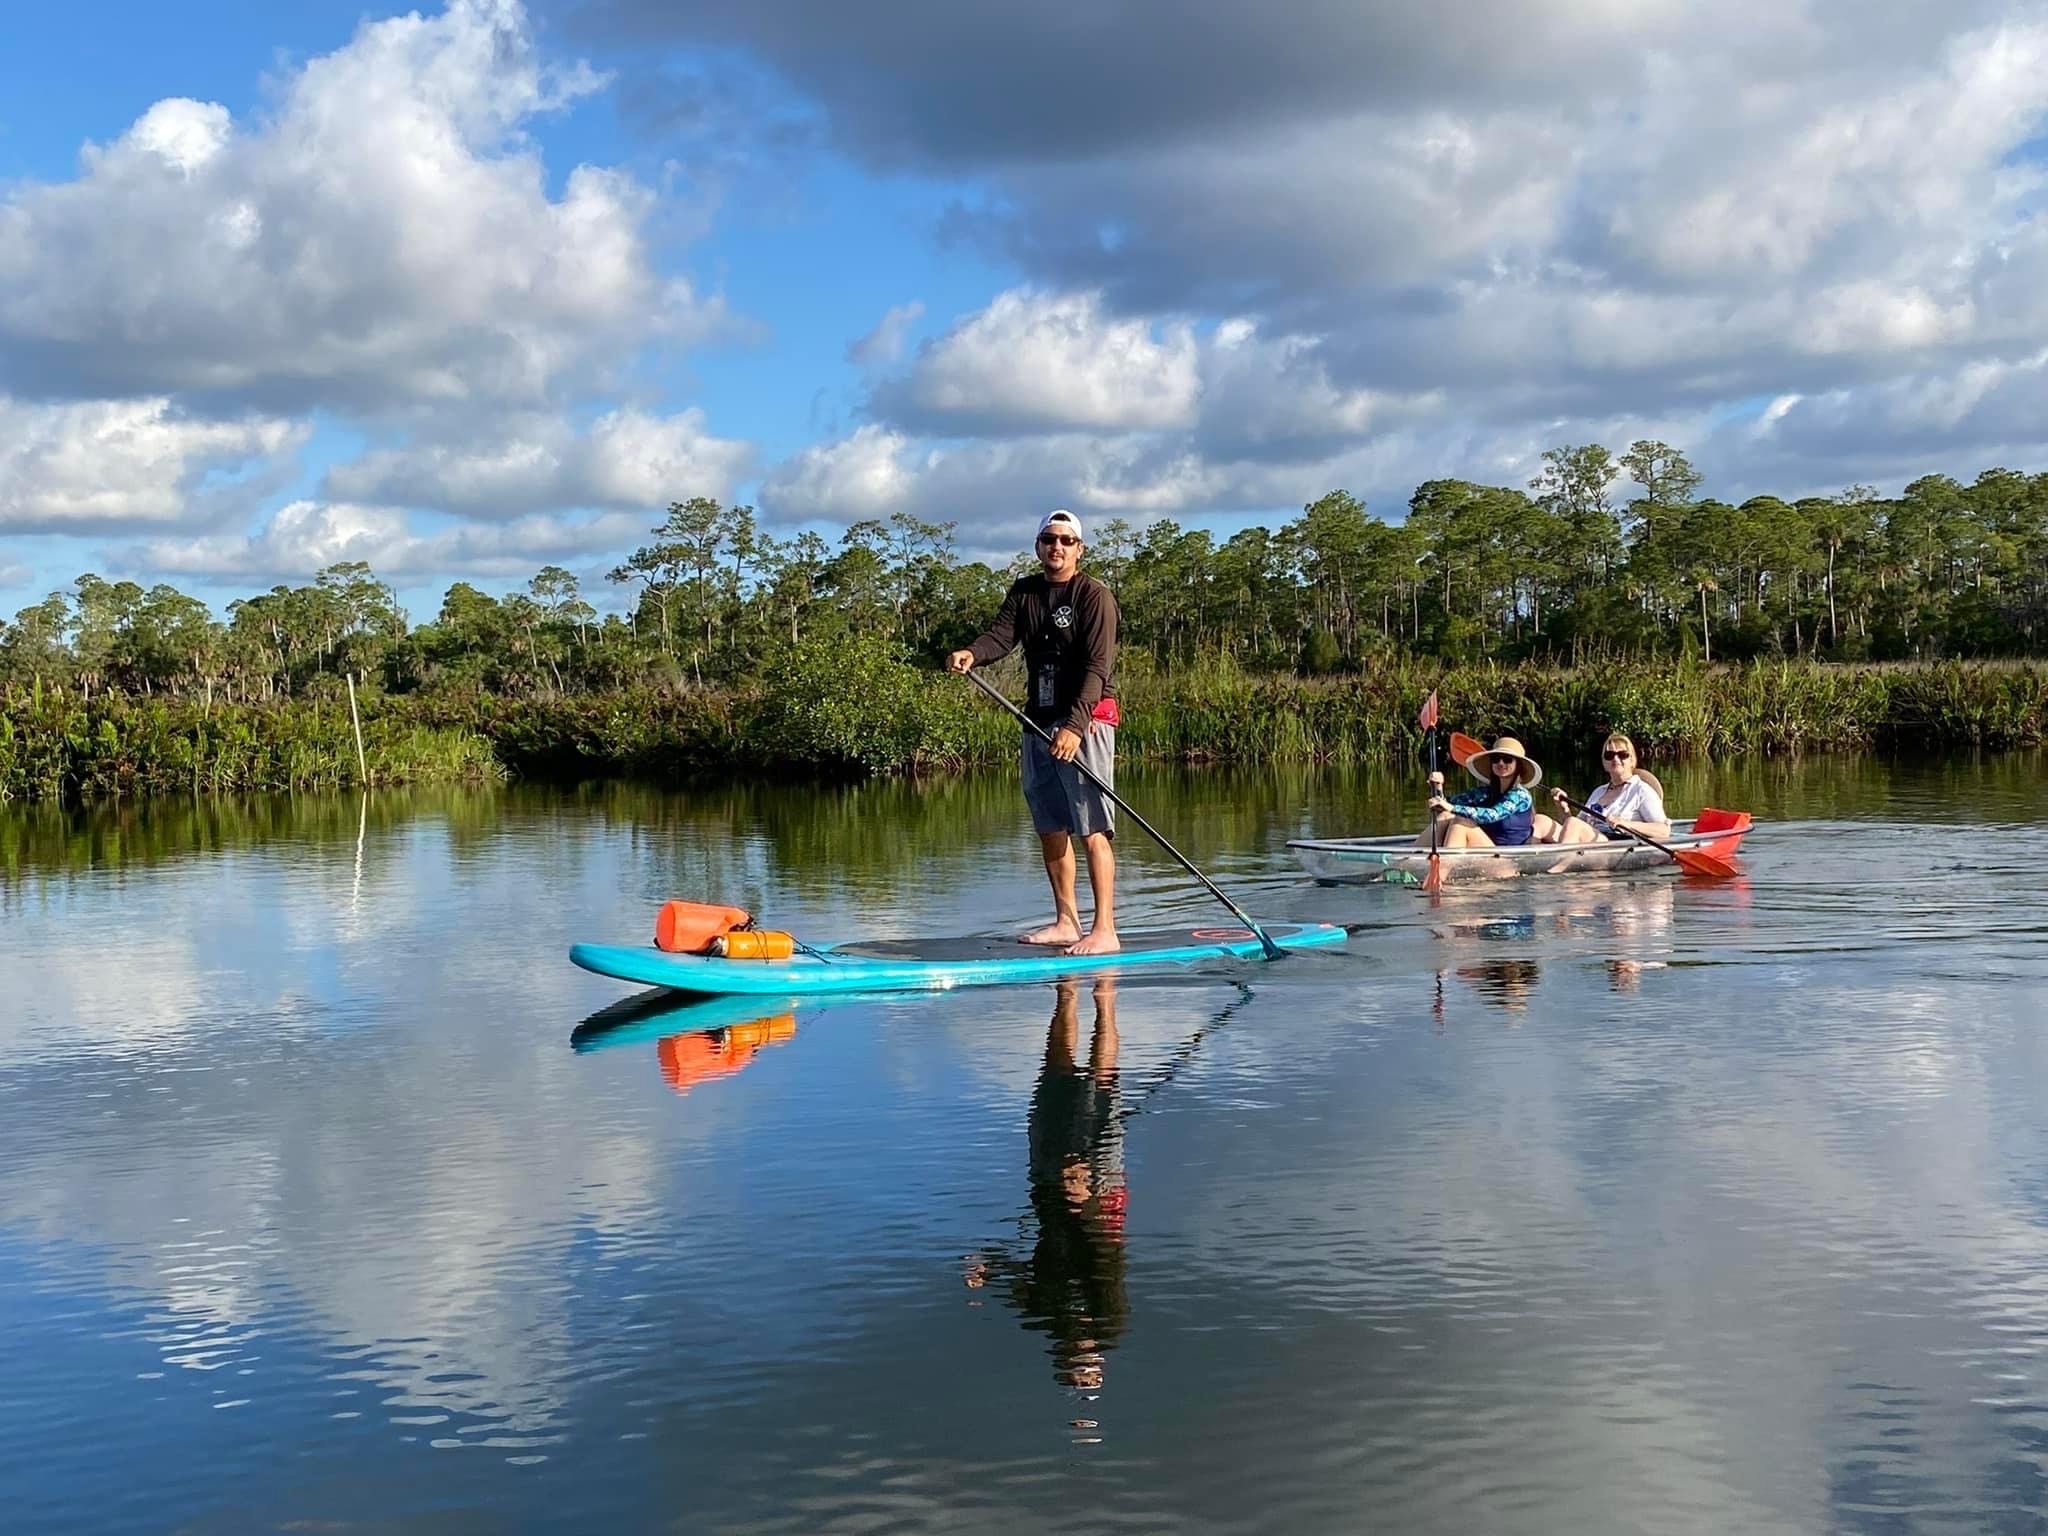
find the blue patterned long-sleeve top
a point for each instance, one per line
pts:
(1509, 820)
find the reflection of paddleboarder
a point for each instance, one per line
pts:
(1071, 1287)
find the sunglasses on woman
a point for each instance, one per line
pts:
(1615, 757)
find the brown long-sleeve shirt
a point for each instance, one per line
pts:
(1068, 632)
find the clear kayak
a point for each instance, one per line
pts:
(1397, 860)
(908, 965)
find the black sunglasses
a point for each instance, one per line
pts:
(1616, 757)
(1061, 539)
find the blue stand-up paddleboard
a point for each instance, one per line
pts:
(906, 965)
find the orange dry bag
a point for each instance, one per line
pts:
(689, 927)
(754, 944)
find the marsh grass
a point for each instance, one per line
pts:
(830, 715)
(57, 747)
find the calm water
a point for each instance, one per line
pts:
(1582, 1205)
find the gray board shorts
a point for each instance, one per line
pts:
(1061, 800)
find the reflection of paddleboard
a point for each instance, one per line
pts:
(898, 965)
(662, 1012)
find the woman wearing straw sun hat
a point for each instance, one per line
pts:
(1498, 814)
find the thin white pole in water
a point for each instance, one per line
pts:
(355, 720)
(355, 894)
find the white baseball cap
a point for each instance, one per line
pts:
(1063, 520)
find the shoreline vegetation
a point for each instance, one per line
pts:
(896, 718)
(1556, 613)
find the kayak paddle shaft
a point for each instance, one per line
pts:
(1694, 861)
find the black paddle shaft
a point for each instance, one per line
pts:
(1593, 813)
(1273, 951)
(1434, 791)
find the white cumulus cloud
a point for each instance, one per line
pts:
(384, 234)
(626, 458)
(380, 249)
(306, 536)
(1033, 362)
(866, 474)
(1055, 360)
(115, 465)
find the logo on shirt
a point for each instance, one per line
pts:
(1063, 616)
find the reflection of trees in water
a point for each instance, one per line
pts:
(126, 834)
(1824, 786)
(1208, 810)
(741, 836)
(723, 837)
(1069, 1282)
(711, 836)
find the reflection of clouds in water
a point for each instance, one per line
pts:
(144, 992)
(282, 1108)
(1627, 1255)
(1000, 1038)
(1640, 914)
(286, 931)
(1874, 1169)
(335, 899)
(1827, 1191)
(420, 1228)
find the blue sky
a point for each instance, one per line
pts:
(481, 288)
(781, 382)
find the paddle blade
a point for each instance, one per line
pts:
(1434, 880)
(1464, 748)
(1428, 718)
(1697, 861)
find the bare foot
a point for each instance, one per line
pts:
(1099, 942)
(1061, 932)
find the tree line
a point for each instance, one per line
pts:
(1600, 556)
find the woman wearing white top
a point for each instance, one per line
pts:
(1627, 799)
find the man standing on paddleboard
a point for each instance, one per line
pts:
(1066, 623)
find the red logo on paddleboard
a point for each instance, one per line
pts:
(1221, 933)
